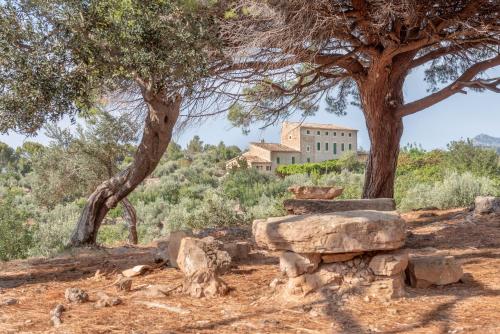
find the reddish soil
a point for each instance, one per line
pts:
(470, 306)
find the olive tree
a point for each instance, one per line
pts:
(361, 51)
(59, 58)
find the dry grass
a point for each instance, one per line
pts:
(472, 306)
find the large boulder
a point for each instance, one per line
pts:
(341, 232)
(302, 207)
(202, 254)
(486, 204)
(314, 192)
(174, 242)
(424, 271)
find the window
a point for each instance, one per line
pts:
(308, 148)
(318, 146)
(350, 134)
(342, 147)
(293, 160)
(326, 133)
(350, 147)
(290, 137)
(277, 160)
(326, 146)
(308, 132)
(308, 159)
(318, 133)
(268, 167)
(342, 134)
(334, 148)
(334, 134)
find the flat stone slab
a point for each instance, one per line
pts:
(315, 192)
(303, 206)
(341, 232)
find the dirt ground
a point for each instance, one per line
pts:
(471, 306)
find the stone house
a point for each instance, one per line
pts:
(300, 143)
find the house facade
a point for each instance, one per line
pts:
(300, 143)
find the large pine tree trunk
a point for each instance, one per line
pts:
(158, 128)
(380, 99)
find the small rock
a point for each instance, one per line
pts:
(486, 204)
(238, 250)
(388, 264)
(76, 295)
(106, 301)
(174, 242)
(136, 271)
(9, 301)
(294, 264)
(340, 257)
(56, 313)
(205, 283)
(425, 271)
(275, 282)
(124, 284)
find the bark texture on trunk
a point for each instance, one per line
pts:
(381, 96)
(131, 218)
(158, 127)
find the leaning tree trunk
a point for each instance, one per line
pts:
(158, 127)
(131, 217)
(380, 99)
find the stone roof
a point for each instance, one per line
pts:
(273, 147)
(320, 126)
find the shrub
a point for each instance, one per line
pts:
(456, 190)
(54, 229)
(16, 236)
(351, 182)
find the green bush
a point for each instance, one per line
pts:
(16, 236)
(455, 190)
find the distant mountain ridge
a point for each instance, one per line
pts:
(484, 140)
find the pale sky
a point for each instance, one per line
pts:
(459, 117)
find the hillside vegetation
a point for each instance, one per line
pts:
(191, 189)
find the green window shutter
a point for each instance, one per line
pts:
(326, 146)
(342, 147)
(308, 159)
(277, 160)
(334, 148)
(293, 160)
(350, 147)
(318, 146)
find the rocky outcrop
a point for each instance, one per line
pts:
(424, 271)
(486, 204)
(339, 257)
(342, 232)
(200, 254)
(174, 242)
(202, 261)
(314, 192)
(302, 207)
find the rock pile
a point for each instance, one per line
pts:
(336, 252)
(336, 248)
